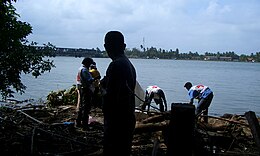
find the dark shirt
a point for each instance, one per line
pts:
(120, 84)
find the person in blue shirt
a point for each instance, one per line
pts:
(203, 94)
(85, 92)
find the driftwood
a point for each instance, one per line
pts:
(33, 107)
(149, 127)
(65, 138)
(155, 146)
(157, 118)
(64, 108)
(32, 118)
(212, 128)
(50, 136)
(231, 121)
(254, 126)
(32, 141)
(150, 112)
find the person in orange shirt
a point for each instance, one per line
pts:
(97, 97)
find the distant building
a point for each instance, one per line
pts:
(250, 59)
(211, 58)
(223, 58)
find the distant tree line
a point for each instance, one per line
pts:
(154, 53)
(96, 53)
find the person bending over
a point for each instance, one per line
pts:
(155, 93)
(203, 94)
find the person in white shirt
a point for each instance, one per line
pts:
(155, 93)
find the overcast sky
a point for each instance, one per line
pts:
(189, 25)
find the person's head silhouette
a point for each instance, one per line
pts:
(188, 85)
(114, 44)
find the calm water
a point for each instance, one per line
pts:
(236, 85)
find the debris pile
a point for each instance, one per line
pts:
(44, 130)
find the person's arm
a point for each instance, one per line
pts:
(191, 101)
(87, 78)
(192, 94)
(164, 100)
(148, 100)
(145, 101)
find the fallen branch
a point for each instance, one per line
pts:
(157, 118)
(232, 121)
(66, 138)
(149, 127)
(29, 107)
(155, 146)
(64, 109)
(254, 126)
(38, 121)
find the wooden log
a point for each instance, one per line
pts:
(157, 118)
(150, 127)
(148, 112)
(254, 126)
(155, 146)
(32, 118)
(212, 128)
(64, 108)
(232, 121)
(33, 141)
(30, 107)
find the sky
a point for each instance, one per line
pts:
(189, 25)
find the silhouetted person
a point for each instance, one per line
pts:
(85, 92)
(119, 100)
(204, 95)
(155, 93)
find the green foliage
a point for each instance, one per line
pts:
(17, 56)
(62, 97)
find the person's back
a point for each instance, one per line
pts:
(155, 93)
(204, 95)
(119, 100)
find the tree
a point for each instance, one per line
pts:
(17, 55)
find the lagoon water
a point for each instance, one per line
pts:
(236, 85)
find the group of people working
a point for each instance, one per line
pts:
(202, 93)
(118, 96)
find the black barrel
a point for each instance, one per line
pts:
(181, 130)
